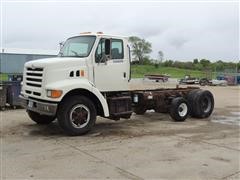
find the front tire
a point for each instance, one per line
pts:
(40, 119)
(76, 115)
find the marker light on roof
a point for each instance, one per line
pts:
(85, 32)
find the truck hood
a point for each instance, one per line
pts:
(56, 61)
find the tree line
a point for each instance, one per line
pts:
(142, 48)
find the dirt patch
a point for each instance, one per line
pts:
(146, 146)
(221, 159)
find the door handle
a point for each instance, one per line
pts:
(124, 74)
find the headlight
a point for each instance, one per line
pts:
(54, 93)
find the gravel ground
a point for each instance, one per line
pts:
(147, 146)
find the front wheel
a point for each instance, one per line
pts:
(40, 119)
(76, 115)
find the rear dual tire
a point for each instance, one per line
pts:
(201, 103)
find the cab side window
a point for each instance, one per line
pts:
(100, 51)
(108, 49)
(117, 49)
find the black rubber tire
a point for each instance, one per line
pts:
(191, 97)
(139, 110)
(40, 119)
(203, 104)
(175, 109)
(63, 115)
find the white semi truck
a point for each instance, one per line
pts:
(90, 78)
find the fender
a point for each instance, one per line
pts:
(68, 85)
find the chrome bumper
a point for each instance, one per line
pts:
(43, 108)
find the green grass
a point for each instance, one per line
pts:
(3, 77)
(138, 71)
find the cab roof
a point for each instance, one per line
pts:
(101, 34)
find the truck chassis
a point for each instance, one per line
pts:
(122, 104)
(77, 113)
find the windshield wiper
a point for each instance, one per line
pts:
(76, 54)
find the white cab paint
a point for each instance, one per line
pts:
(98, 78)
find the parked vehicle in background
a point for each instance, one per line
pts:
(189, 80)
(90, 78)
(230, 78)
(212, 82)
(205, 82)
(216, 82)
(157, 77)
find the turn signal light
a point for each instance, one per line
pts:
(54, 93)
(82, 73)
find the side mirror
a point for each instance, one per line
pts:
(107, 47)
(104, 58)
(61, 44)
(105, 51)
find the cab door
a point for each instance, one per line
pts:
(111, 66)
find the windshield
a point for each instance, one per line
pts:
(77, 46)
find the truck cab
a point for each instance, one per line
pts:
(106, 59)
(100, 60)
(89, 78)
(90, 63)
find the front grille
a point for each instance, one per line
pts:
(28, 92)
(34, 74)
(34, 85)
(34, 77)
(34, 93)
(34, 69)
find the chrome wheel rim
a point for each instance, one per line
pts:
(80, 116)
(182, 109)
